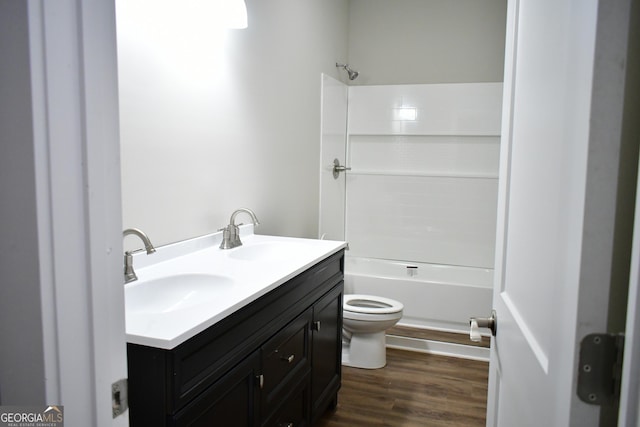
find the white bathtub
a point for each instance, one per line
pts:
(439, 297)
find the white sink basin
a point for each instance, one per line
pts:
(173, 293)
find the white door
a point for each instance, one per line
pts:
(557, 204)
(78, 315)
(630, 393)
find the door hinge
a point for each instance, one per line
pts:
(119, 397)
(600, 368)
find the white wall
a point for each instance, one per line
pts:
(432, 41)
(210, 126)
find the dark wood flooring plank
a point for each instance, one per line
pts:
(413, 390)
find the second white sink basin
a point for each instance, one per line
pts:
(173, 293)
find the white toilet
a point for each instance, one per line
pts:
(366, 318)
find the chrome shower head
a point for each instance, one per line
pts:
(352, 73)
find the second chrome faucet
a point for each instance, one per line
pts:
(129, 273)
(231, 233)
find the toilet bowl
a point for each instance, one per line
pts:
(365, 320)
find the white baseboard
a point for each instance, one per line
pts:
(438, 347)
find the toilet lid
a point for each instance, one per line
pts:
(370, 304)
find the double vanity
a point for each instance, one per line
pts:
(248, 336)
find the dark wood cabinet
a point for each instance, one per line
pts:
(273, 362)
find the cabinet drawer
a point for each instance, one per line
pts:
(285, 358)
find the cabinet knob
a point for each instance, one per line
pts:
(260, 379)
(316, 326)
(289, 358)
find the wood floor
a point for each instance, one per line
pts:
(414, 389)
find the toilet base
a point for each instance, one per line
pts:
(367, 351)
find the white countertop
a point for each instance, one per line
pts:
(259, 266)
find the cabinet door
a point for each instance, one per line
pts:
(285, 362)
(326, 361)
(230, 401)
(294, 412)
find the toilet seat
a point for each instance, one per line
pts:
(369, 304)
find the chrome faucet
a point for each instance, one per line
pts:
(129, 274)
(231, 233)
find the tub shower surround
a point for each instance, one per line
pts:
(421, 198)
